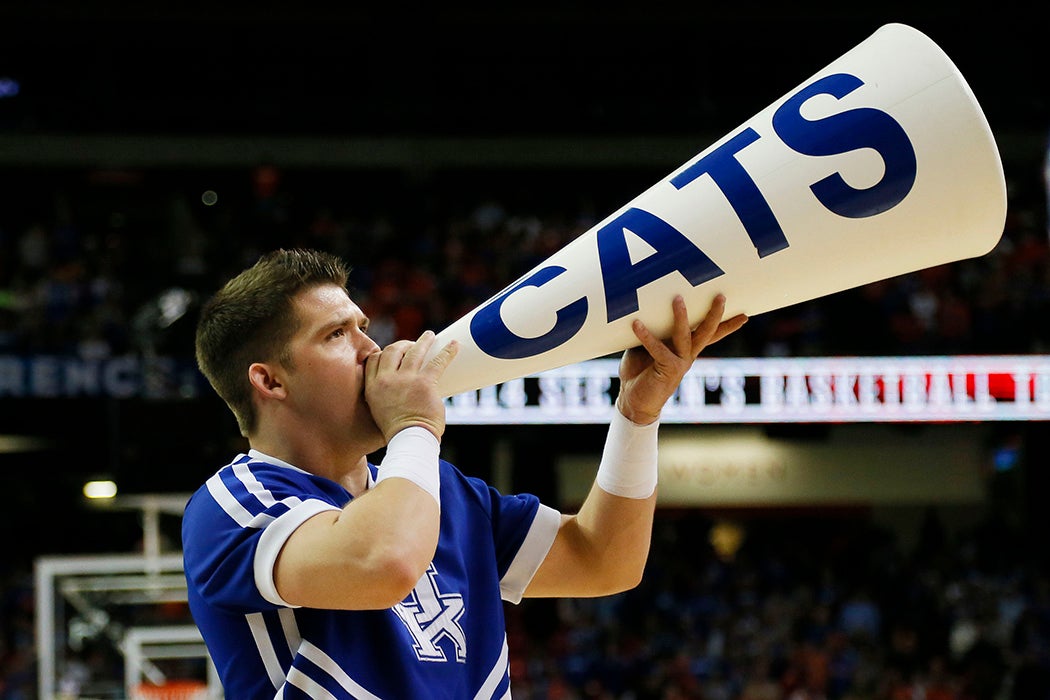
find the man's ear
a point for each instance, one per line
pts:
(265, 380)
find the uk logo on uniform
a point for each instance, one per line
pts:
(431, 617)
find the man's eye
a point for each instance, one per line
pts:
(338, 332)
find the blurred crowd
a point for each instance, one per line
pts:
(810, 607)
(104, 263)
(816, 610)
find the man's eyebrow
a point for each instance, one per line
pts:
(344, 321)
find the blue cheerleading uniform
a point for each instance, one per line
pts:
(447, 639)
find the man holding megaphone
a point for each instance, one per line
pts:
(313, 573)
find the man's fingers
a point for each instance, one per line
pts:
(444, 356)
(415, 352)
(422, 348)
(408, 355)
(681, 337)
(386, 359)
(714, 314)
(683, 342)
(709, 325)
(392, 355)
(726, 327)
(372, 366)
(649, 341)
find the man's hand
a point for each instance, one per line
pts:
(401, 390)
(650, 373)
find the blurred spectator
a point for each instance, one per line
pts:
(82, 270)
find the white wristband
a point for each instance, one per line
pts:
(413, 454)
(628, 466)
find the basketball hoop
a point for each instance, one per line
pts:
(171, 690)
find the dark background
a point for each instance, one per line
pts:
(536, 68)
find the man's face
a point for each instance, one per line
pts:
(326, 377)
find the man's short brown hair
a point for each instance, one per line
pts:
(252, 319)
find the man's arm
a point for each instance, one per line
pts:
(370, 554)
(603, 548)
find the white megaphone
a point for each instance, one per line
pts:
(880, 164)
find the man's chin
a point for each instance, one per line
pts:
(371, 436)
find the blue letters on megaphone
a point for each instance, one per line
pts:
(675, 252)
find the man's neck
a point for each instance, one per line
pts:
(342, 466)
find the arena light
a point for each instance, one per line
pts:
(97, 489)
